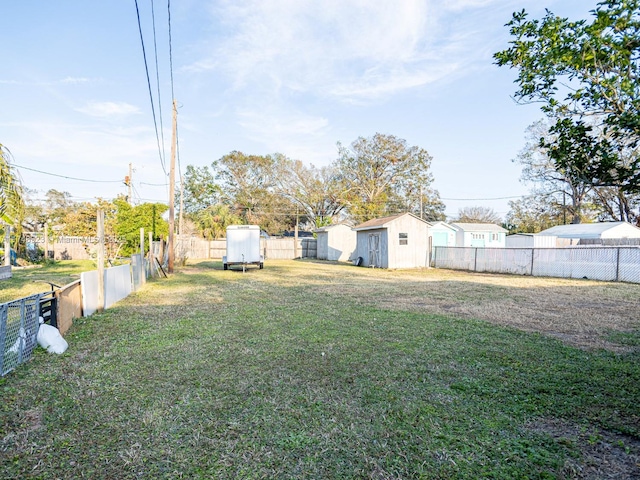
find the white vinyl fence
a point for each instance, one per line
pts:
(620, 264)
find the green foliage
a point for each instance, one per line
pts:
(200, 189)
(212, 222)
(534, 213)
(11, 192)
(582, 70)
(316, 192)
(382, 173)
(130, 219)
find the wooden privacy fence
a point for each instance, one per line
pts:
(618, 264)
(271, 248)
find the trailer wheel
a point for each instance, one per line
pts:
(261, 265)
(225, 266)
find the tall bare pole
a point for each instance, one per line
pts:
(172, 187)
(7, 244)
(100, 221)
(129, 180)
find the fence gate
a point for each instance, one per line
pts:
(374, 249)
(18, 329)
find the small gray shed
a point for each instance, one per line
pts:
(398, 241)
(336, 242)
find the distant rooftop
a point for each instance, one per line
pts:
(479, 227)
(585, 230)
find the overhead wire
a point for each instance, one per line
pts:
(146, 67)
(155, 50)
(65, 176)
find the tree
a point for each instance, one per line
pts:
(316, 192)
(200, 190)
(382, 173)
(579, 71)
(212, 222)
(130, 219)
(534, 213)
(478, 215)
(11, 192)
(248, 186)
(560, 182)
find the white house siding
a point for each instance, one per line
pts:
(416, 252)
(337, 243)
(623, 230)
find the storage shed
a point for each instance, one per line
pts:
(530, 240)
(398, 241)
(487, 235)
(336, 242)
(594, 231)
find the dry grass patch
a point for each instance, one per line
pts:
(581, 313)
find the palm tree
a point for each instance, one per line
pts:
(11, 194)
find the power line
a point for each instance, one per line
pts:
(66, 177)
(479, 199)
(155, 50)
(146, 68)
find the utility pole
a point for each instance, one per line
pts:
(128, 182)
(295, 235)
(180, 218)
(172, 188)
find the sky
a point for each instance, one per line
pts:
(261, 77)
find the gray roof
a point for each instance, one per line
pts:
(585, 230)
(478, 227)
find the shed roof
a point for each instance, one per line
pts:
(384, 221)
(442, 224)
(331, 227)
(478, 227)
(585, 230)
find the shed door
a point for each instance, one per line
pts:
(374, 249)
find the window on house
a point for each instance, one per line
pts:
(495, 237)
(404, 239)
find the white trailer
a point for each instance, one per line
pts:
(243, 246)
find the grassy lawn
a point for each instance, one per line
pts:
(316, 370)
(30, 280)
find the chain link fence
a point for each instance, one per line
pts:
(19, 323)
(619, 264)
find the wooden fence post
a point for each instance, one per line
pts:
(100, 260)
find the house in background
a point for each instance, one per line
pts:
(398, 241)
(336, 242)
(530, 240)
(442, 234)
(594, 233)
(487, 235)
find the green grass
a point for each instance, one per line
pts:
(30, 280)
(213, 374)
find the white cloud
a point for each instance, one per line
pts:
(286, 130)
(108, 109)
(75, 80)
(355, 50)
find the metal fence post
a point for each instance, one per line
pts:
(618, 264)
(475, 260)
(533, 251)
